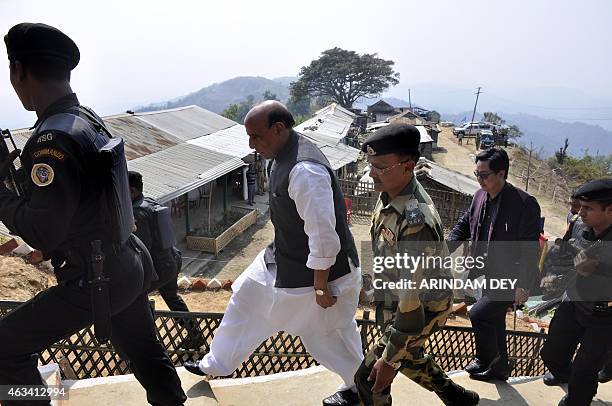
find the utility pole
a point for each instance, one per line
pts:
(409, 100)
(528, 167)
(475, 104)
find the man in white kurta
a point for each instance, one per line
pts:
(321, 313)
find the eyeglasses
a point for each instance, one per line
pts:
(382, 171)
(483, 175)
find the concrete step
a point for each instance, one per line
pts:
(125, 390)
(309, 387)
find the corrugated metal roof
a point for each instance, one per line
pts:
(332, 121)
(336, 109)
(452, 179)
(337, 154)
(188, 122)
(177, 170)
(140, 137)
(231, 141)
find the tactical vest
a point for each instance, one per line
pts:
(105, 158)
(290, 247)
(405, 215)
(162, 227)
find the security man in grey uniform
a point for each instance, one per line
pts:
(155, 229)
(75, 209)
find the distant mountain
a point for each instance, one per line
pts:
(219, 96)
(547, 133)
(550, 134)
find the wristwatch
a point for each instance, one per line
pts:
(394, 365)
(320, 292)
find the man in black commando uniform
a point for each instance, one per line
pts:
(75, 209)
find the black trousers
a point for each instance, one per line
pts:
(169, 292)
(62, 310)
(488, 318)
(569, 327)
(251, 190)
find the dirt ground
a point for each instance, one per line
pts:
(20, 281)
(461, 158)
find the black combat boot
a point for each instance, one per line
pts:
(456, 395)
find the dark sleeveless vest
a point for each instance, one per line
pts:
(290, 247)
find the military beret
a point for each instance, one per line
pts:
(393, 138)
(598, 189)
(30, 42)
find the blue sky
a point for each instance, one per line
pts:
(136, 52)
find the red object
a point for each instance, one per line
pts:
(543, 239)
(8, 246)
(35, 257)
(349, 205)
(198, 284)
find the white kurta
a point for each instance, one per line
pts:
(258, 310)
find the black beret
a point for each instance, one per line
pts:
(393, 138)
(30, 42)
(134, 178)
(598, 189)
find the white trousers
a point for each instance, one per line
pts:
(258, 310)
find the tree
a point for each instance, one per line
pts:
(433, 116)
(493, 118)
(237, 112)
(562, 153)
(344, 76)
(230, 112)
(514, 131)
(299, 107)
(268, 95)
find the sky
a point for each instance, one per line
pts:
(137, 52)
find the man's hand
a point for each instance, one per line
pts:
(587, 267)
(5, 165)
(520, 296)
(320, 283)
(326, 300)
(383, 374)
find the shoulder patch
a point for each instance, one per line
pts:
(413, 214)
(50, 153)
(45, 137)
(42, 175)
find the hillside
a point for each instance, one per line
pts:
(549, 134)
(219, 96)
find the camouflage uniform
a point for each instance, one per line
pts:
(410, 217)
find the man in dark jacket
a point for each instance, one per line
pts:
(503, 226)
(585, 315)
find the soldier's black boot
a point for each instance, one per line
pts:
(605, 375)
(342, 398)
(456, 395)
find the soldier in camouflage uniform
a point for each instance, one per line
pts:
(405, 221)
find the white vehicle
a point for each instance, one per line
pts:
(471, 129)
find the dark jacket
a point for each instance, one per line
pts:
(595, 291)
(512, 247)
